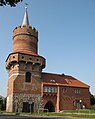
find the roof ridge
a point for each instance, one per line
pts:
(52, 73)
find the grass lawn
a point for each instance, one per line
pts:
(68, 113)
(72, 113)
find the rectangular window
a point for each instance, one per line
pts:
(28, 77)
(64, 90)
(45, 89)
(50, 89)
(77, 91)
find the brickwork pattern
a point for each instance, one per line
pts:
(17, 66)
(24, 58)
(68, 99)
(25, 39)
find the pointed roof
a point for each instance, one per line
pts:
(25, 19)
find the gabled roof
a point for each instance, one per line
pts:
(62, 80)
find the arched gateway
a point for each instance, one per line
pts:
(49, 105)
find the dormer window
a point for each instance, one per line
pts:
(52, 80)
(68, 81)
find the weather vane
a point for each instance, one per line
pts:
(26, 4)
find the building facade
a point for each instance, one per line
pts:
(30, 89)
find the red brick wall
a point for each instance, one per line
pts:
(25, 38)
(49, 97)
(67, 99)
(33, 87)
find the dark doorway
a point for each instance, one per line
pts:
(28, 107)
(32, 107)
(49, 105)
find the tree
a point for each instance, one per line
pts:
(1, 103)
(92, 99)
(4, 104)
(12, 3)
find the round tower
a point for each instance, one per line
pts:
(25, 39)
(24, 67)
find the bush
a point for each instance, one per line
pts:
(17, 113)
(93, 107)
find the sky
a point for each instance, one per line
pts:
(66, 37)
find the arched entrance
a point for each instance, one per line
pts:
(49, 105)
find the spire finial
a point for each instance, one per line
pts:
(25, 19)
(26, 4)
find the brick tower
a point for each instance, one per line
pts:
(24, 67)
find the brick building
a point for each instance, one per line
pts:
(30, 89)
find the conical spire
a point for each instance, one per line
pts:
(25, 19)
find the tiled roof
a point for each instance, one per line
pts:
(62, 80)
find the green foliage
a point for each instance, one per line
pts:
(17, 113)
(12, 3)
(92, 99)
(93, 107)
(1, 103)
(69, 113)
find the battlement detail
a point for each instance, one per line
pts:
(27, 30)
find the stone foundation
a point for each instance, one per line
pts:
(18, 100)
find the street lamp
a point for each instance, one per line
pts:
(30, 106)
(30, 103)
(80, 103)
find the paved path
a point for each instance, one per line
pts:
(8, 116)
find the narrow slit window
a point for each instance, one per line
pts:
(28, 77)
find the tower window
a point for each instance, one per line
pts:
(28, 77)
(22, 57)
(13, 57)
(30, 58)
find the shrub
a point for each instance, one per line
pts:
(93, 107)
